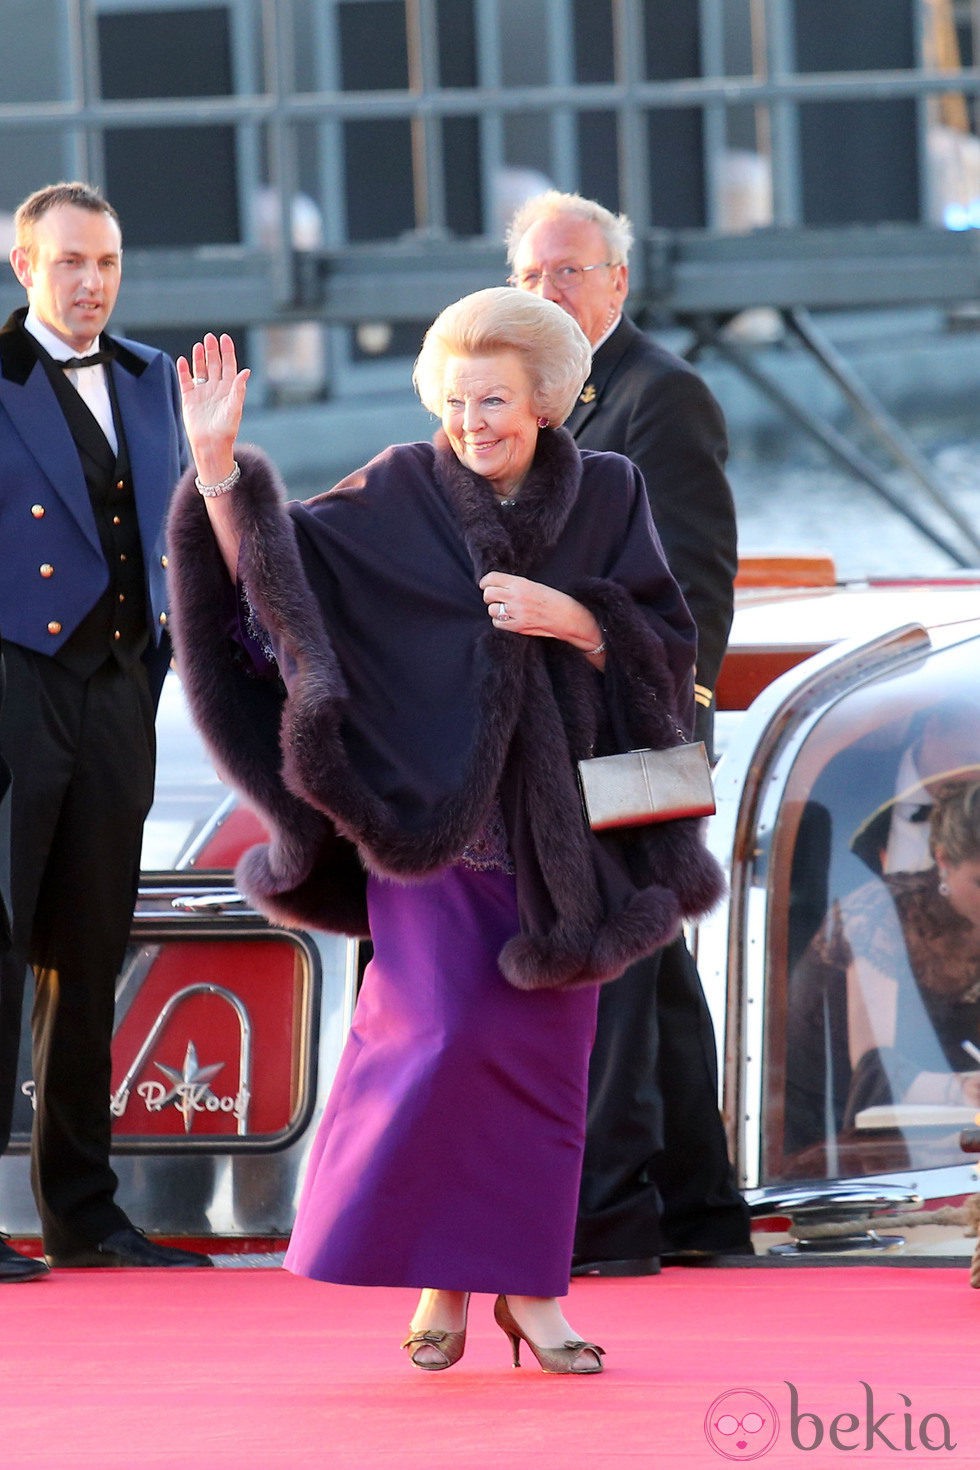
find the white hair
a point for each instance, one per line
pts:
(555, 351)
(617, 231)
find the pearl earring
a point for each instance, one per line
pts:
(543, 423)
(943, 885)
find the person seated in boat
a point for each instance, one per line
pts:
(451, 627)
(943, 746)
(893, 976)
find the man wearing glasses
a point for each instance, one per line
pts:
(657, 1181)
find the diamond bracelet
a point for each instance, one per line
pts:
(222, 487)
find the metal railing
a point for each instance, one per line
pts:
(582, 93)
(291, 116)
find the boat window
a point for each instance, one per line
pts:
(872, 1048)
(188, 790)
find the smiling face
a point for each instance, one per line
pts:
(596, 298)
(72, 271)
(489, 416)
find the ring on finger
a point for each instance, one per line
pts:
(502, 616)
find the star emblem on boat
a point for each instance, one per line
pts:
(189, 1085)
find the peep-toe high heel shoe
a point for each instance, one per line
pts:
(574, 1356)
(450, 1346)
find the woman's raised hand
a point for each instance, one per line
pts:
(212, 391)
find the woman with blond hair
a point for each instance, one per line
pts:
(446, 632)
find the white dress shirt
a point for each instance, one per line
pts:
(90, 382)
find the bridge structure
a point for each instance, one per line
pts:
(324, 175)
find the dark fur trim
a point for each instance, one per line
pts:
(536, 519)
(240, 717)
(283, 746)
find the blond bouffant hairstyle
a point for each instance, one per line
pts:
(553, 347)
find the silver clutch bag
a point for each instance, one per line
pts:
(642, 786)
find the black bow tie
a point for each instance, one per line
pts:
(94, 359)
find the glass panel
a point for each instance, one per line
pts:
(594, 41)
(32, 60)
(524, 51)
(527, 144)
(161, 199)
(598, 147)
(378, 178)
(373, 52)
(874, 178)
(672, 37)
(675, 149)
(873, 1027)
(461, 176)
(456, 41)
(165, 53)
(864, 35)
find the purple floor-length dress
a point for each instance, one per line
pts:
(450, 1149)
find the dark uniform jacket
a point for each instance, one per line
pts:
(645, 402)
(54, 569)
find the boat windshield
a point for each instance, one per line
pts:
(872, 1049)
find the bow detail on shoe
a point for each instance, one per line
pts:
(449, 1346)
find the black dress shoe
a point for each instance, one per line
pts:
(15, 1267)
(641, 1266)
(701, 1255)
(127, 1247)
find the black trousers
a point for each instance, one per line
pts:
(82, 754)
(656, 1177)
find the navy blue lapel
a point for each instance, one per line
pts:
(35, 414)
(149, 434)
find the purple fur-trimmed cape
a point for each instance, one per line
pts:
(402, 712)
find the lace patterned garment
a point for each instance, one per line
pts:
(253, 632)
(489, 850)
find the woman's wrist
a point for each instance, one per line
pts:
(591, 641)
(212, 469)
(213, 462)
(219, 487)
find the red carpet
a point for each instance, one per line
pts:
(256, 1370)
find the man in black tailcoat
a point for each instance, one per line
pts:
(89, 454)
(657, 1182)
